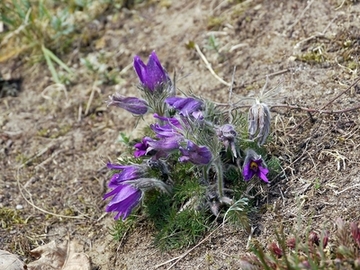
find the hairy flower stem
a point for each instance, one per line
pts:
(220, 179)
(205, 174)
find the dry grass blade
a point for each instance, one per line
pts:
(208, 66)
(29, 201)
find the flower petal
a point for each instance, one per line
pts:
(262, 174)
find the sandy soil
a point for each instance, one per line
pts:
(54, 149)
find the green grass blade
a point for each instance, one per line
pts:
(50, 65)
(56, 59)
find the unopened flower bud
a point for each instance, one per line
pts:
(153, 76)
(134, 105)
(325, 239)
(314, 238)
(291, 243)
(227, 135)
(355, 232)
(259, 122)
(274, 248)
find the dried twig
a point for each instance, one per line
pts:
(22, 188)
(327, 104)
(93, 88)
(318, 35)
(292, 107)
(208, 66)
(301, 15)
(346, 189)
(295, 107)
(231, 104)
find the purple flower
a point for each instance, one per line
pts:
(128, 187)
(128, 172)
(254, 165)
(167, 130)
(166, 145)
(125, 198)
(131, 104)
(141, 147)
(187, 106)
(170, 120)
(153, 74)
(198, 155)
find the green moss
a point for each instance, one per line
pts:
(214, 23)
(68, 212)
(55, 133)
(44, 132)
(9, 218)
(353, 65)
(312, 57)
(23, 159)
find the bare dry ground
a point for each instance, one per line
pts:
(54, 149)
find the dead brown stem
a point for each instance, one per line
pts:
(327, 104)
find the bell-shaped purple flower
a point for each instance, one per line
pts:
(134, 105)
(127, 172)
(186, 106)
(153, 75)
(167, 130)
(125, 199)
(166, 145)
(124, 196)
(172, 121)
(128, 187)
(198, 155)
(254, 165)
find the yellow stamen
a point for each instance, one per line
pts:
(254, 166)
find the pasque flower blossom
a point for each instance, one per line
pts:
(125, 197)
(142, 147)
(198, 155)
(165, 145)
(134, 105)
(254, 165)
(128, 187)
(186, 105)
(151, 75)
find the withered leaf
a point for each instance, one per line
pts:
(63, 256)
(10, 261)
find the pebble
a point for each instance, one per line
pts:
(19, 207)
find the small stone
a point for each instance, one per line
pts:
(19, 207)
